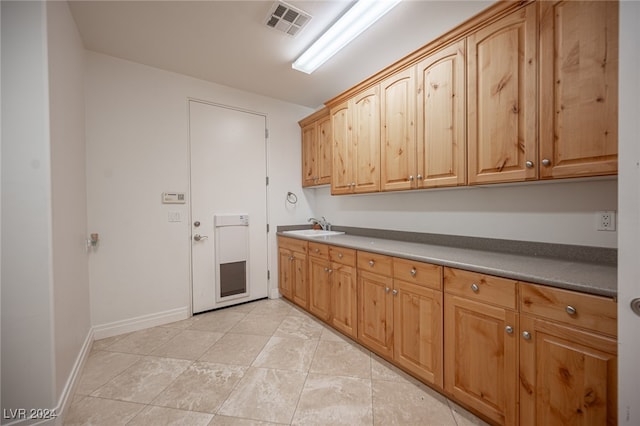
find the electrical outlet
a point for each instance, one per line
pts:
(606, 221)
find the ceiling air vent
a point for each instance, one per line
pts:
(286, 18)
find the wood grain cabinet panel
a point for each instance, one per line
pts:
(567, 376)
(578, 88)
(356, 144)
(316, 148)
(292, 271)
(480, 352)
(375, 312)
(441, 118)
(333, 287)
(417, 325)
(502, 88)
(398, 144)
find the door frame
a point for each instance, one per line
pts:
(266, 151)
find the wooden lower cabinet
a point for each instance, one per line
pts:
(481, 363)
(332, 283)
(568, 376)
(292, 267)
(481, 343)
(375, 313)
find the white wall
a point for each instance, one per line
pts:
(137, 147)
(27, 341)
(629, 236)
(559, 212)
(71, 318)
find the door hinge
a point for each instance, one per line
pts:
(268, 274)
(267, 180)
(266, 133)
(267, 227)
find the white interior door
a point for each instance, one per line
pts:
(228, 176)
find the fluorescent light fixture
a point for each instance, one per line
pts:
(349, 26)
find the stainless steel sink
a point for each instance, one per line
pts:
(313, 233)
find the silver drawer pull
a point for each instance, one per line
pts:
(475, 287)
(570, 310)
(413, 272)
(526, 335)
(394, 292)
(371, 263)
(508, 329)
(386, 289)
(340, 255)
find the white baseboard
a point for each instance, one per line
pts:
(66, 397)
(139, 323)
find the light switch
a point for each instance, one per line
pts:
(175, 217)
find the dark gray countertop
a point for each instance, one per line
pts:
(586, 269)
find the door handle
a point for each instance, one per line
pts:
(198, 237)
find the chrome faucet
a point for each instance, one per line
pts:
(324, 224)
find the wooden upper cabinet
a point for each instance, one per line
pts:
(309, 154)
(578, 88)
(324, 150)
(366, 140)
(356, 144)
(316, 149)
(398, 145)
(502, 125)
(341, 169)
(441, 118)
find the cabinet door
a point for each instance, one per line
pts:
(481, 367)
(578, 88)
(319, 288)
(417, 326)
(342, 163)
(309, 155)
(344, 299)
(323, 156)
(441, 118)
(398, 145)
(502, 91)
(567, 376)
(375, 313)
(300, 285)
(365, 138)
(285, 273)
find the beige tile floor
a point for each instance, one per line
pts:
(261, 363)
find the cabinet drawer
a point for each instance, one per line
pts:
(376, 263)
(342, 255)
(292, 244)
(419, 273)
(570, 307)
(319, 250)
(486, 288)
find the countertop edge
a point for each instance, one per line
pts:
(559, 273)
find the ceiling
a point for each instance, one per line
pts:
(228, 42)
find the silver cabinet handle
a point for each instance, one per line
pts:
(546, 162)
(340, 255)
(291, 258)
(198, 237)
(394, 292)
(386, 289)
(371, 263)
(419, 177)
(526, 335)
(570, 310)
(411, 178)
(326, 269)
(475, 287)
(413, 272)
(508, 329)
(529, 164)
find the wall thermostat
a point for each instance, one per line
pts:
(173, 198)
